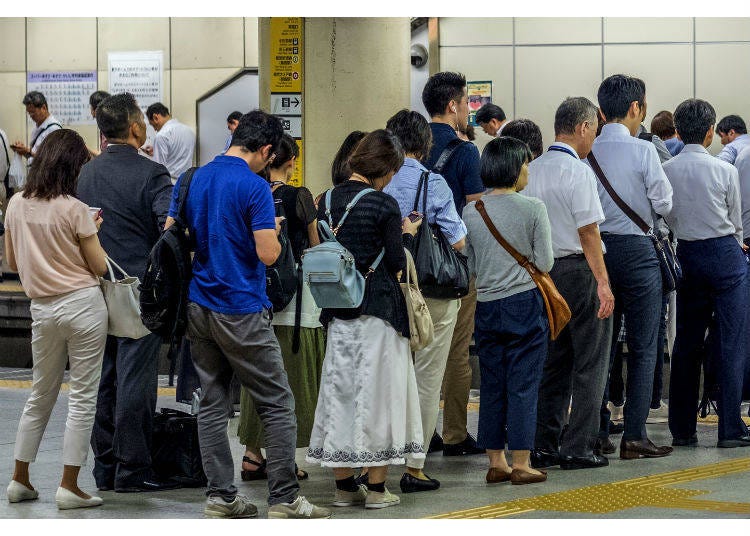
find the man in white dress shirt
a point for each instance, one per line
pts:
(706, 218)
(491, 118)
(174, 143)
(578, 359)
(734, 137)
(632, 167)
(36, 107)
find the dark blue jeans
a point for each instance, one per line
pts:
(714, 282)
(635, 278)
(511, 336)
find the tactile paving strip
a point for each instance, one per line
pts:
(649, 491)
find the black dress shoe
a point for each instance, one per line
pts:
(436, 443)
(464, 448)
(691, 441)
(642, 448)
(604, 446)
(541, 458)
(148, 485)
(583, 462)
(616, 428)
(743, 441)
(412, 484)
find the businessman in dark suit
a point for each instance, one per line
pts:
(134, 195)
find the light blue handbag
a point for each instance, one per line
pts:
(329, 268)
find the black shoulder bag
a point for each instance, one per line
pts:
(442, 271)
(671, 271)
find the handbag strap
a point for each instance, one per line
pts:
(520, 259)
(629, 212)
(349, 207)
(7, 156)
(423, 181)
(110, 262)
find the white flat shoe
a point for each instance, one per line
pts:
(67, 500)
(17, 492)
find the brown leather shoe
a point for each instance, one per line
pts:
(518, 476)
(642, 448)
(495, 475)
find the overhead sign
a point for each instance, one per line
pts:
(292, 125)
(286, 57)
(286, 104)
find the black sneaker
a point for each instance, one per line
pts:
(465, 448)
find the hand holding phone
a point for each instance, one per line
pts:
(415, 216)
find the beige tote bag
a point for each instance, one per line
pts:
(122, 298)
(420, 322)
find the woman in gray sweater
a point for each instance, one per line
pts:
(511, 329)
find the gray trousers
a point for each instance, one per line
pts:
(246, 345)
(577, 365)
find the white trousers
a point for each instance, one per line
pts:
(429, 368)
(71, 327)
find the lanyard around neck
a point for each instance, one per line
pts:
(563, 150)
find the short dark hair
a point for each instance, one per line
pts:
(35, 98)
(663, 125)
(115, 114)
(340, 170)
(502, 160)
(572, 112)
(377, 154)
(693, 118)
(617, 92)
(489, 112)
(257, 129)
(528, 132)
(157, 108)
(413, 131)
(234, 116)
(96, 98)
(440, 89)
(731, 122)
(55, 168)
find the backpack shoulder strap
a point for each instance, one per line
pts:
(41, 131)
(647, 136)
(446, 154)
(7, 156)
(182, 196)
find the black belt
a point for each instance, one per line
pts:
(572, 256)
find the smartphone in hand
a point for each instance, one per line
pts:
(415, 216)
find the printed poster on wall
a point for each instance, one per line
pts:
(139, 73)
(479, 93)
(67, 94)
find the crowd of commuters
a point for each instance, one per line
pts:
(344, 383)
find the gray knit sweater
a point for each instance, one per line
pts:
(523, 222)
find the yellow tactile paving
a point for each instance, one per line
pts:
(26, 384)
(638, 492)
(7, 286)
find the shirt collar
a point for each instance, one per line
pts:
(614, 130)
(414, 163)
(694, 148)
(741, 137)
(444, 127)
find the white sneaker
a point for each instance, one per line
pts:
(350, 498)
(658, 415)
(381, 500)
(299, 509)
(616, 412)
(67, 500)
(17, 492)
(240, 507)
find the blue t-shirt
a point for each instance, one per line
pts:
(462, 170)
(225, 204)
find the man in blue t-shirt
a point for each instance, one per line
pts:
(445, 98)
(230, 215)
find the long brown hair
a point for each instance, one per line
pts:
(58, 161)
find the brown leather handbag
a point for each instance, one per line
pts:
(558, 312)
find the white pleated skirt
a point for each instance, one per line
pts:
(368, 404)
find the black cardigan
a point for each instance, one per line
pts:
(373, 223)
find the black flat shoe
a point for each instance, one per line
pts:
(691, 441)
(148, 485)
(256, 474)
(541, 458)
(466, 447)
(412, 484)
(743, 441)
(583, 462)
(436, 443)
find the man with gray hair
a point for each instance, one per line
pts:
(578, 359)
(36, 107)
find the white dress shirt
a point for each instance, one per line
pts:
(742, 163)
(5, 155)
(707, 201)
(567, 187)
(174, 146)
(733, 148)
(632, 167)
(40, 133)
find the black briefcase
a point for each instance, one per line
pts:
(175, 453)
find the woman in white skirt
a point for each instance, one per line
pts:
(51, 240)
(368, 406)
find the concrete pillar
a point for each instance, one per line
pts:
(356, 76)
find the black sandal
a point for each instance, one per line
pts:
(297, 472)
(255, 474)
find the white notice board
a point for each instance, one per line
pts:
(139, 73)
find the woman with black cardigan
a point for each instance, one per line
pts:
(368, 406)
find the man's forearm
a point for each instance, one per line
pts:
(591, 243)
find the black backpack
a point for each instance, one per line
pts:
(164, 290)
(281, 276)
